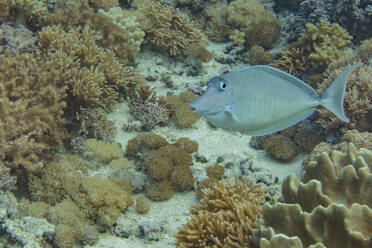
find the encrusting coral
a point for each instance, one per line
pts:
(180, 109)
(67, 178)
(71, 226)
(225, 216)
(331, 207)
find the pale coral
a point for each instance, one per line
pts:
(331, 206)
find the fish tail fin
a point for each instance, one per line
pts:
(333, 98)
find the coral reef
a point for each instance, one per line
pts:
(142, 205)
(330, 207)
(167, 165)
(291, 60)
(239, 21)
(180, 109)
(89, 86)
(149, 109)
(7, 182)
(354, 16)
(32, 123)
(18, 230)
(281, 148)
(17, 40)
(324, 42)
(168, 28)
(102, 151)
(159, 191)
(99, 199)
(258, 56)
(224, 217)
(71, 226)
(357, 102)
(22, 12)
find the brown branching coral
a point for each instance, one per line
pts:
(149, 109)
(357, 103)
(169, 28)
(93, 74)
(224, 217)
(246, 22)
(119, 28)
(31, 110)
(22, 11)
(292, 60)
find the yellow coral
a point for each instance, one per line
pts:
(224, 217)
(325, 42)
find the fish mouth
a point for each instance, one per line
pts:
(203, 112)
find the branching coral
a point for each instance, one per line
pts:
(169, 28)
(22, 11)
(324, 42)
(357, 103)
(149, 109)
(224, 217)
(331, 207)
(93, 74)
(31, 109)
(291, 60)
(246, 22)
(119, 28)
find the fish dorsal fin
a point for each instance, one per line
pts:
(286, 76)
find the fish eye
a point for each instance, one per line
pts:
(223, 85)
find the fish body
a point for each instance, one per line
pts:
(259, 100)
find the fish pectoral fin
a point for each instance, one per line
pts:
(231, 111)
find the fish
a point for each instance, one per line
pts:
(260, 99)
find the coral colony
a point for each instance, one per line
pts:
(99, 146)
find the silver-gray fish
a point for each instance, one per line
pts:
(259, 100)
